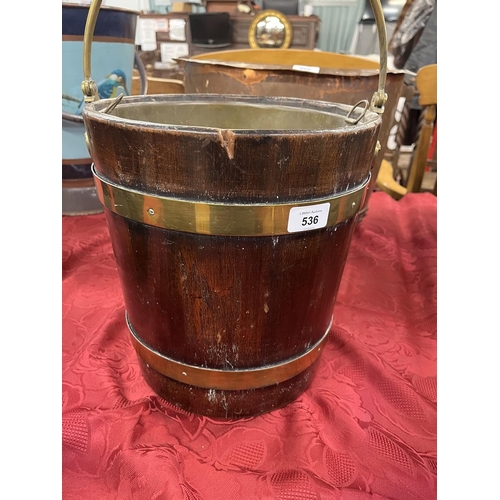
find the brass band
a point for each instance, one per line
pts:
(231, 380)
(217, 218)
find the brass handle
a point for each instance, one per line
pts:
(89, 87)
(144, 89)
(380, 97)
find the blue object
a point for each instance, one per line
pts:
(113, 85)
(112, 64)
(112, 60)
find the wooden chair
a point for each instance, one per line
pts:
(157, 85)
(426, 85)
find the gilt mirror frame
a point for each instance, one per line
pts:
(252, 30)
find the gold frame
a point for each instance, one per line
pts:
(288, 28)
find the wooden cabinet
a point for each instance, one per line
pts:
(222, 6)
(305, 35)
(305, 31)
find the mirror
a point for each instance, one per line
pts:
(270, 30)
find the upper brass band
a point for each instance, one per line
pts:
(224, 219)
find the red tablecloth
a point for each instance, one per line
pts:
(365, 429)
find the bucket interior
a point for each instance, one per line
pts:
(234, 115)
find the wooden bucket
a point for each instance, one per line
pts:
(296, 73)
(230, 219)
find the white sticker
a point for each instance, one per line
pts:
(171, 50)
(147, 34)
(307, 218)
(162, 25)
(307, 69)
(177, 30)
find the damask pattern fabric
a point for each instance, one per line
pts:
(364, 429)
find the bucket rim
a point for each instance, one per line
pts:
(295, 68)
(94, 111)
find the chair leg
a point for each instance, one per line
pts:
(386, 182)
(419, 161)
